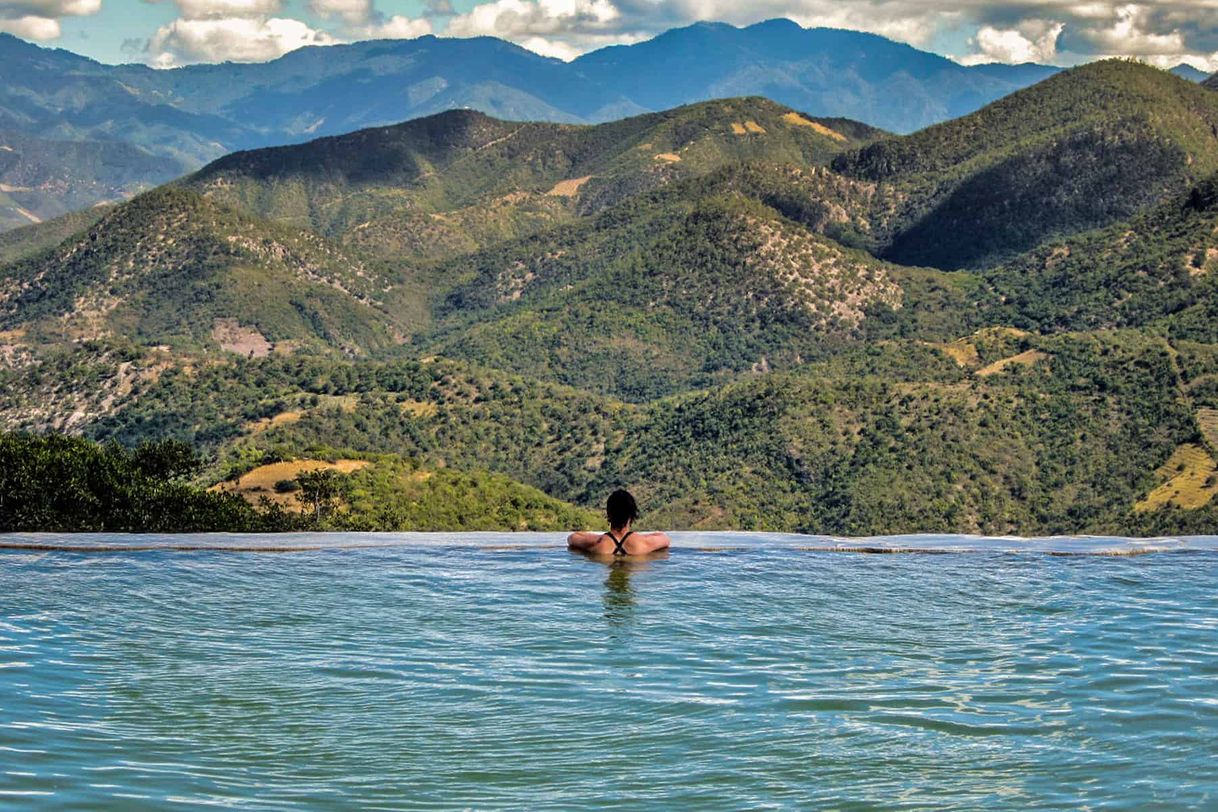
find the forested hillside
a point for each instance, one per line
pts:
(1081, 150)
(173, 268)
(461, 322)
(451, 183)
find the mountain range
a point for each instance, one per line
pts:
(116, 129)
(754, 317)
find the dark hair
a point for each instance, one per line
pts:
(621, 508)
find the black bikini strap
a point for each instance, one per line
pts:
(619, 543)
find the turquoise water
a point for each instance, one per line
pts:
(488, 671)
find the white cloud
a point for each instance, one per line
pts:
(237, 39)
(560, 28)
(230, 30)
(226, 9)
(1063, 31)
(1129, 30)
(1031, 41)
(49, 8)
(396, 27)
(39, 19)
(354, 12)
(39, 29)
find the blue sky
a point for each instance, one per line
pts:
(174, 32)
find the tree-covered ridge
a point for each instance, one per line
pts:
(397, 494)
(195, 270)
(430, 184)
(116, 127)
(171, 266)
(653, 297)
(1078, 151)
(1158, 269)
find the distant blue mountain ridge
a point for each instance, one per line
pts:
(184, 117)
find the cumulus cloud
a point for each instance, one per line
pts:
(1131, 29)
(560, 28)
(354, 12)
(1166, 32)
(39, 19)
(226, 9)
(1061, 31)
(230, 30)
(396, 27)
(1030, 41)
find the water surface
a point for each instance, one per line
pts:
(493, 671)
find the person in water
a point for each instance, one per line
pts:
(620, 540)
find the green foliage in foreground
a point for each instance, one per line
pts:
(56, 483)
(67, 484)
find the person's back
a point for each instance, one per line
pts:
(621, 540)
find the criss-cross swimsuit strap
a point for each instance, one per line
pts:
(618, 543)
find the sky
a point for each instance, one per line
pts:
(168, 33)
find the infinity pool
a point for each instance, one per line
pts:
(489, 671)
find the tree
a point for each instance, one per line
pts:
(167, 459)
(320, 488)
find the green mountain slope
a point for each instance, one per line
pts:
(171, 267)
(1081, 150)
(457, 181)
(20, 243)
(1158, 269)
(661, 294)
(68, 484)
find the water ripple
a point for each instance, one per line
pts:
(394, 676)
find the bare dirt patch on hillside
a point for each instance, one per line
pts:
(569, 187)
(418, 408)
(796, 120)
(247, 341)
(1027, 358)
(1207, 421)
(281, 419)
(261, 481)
(962, 351)
(749, 127)
(1189, 481)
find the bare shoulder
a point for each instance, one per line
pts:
(655, 541)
